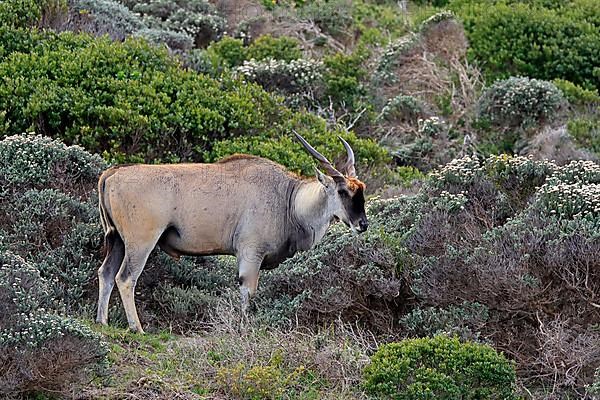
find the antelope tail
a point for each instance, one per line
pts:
(110, 231)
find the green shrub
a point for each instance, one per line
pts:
(281, 48)
(128, 99)
(406, 176)
(287, 151)
(586, 132)
(439, 367)
(20, 13)
(575, 94)
(259, 381)
(520, 102)
(530, 40)
(343, 77)
(230, 50)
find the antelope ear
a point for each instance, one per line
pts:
(323, 179)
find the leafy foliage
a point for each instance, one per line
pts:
(125, 98)
(290, 153)
(439, 367)
(281, 48)
(526, 38)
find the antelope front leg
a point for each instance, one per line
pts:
(249, 269)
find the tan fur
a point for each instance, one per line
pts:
(238, 206)
(243, 205)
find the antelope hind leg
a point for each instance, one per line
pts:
(106, 277)
(132, 267)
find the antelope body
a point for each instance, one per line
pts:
(245, 206)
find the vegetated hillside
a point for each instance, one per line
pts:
(486, 275)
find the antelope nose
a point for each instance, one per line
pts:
(363, 225)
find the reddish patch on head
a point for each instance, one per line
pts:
(355, 185)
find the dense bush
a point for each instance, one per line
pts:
(362, 276)
(130, 100)
(48, 212)
(520, 102)
(289, 152)
(343, 78)
(439, 368)
(109, 17)
(40, 352)
(281, 48)
(33, 161)
(465, 320)
(228, 51)
(197, 19)
(577, 95)
(332, 17)
(22, 13)
(517, 246)
(586, 132)
(260, 381)
(526, 38)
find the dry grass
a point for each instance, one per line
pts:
(325, 363)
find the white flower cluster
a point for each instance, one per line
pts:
(30, 158)
(430, 126)
(33, 330)
(573, 191)
(452, 202)
(193, 23)
(22, 281)
(579, 171)
(458, 171)
(518, 169)
(294, 73)
(571, 200)
(436, 18)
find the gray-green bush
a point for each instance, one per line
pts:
(520, 102)
(40, 351)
